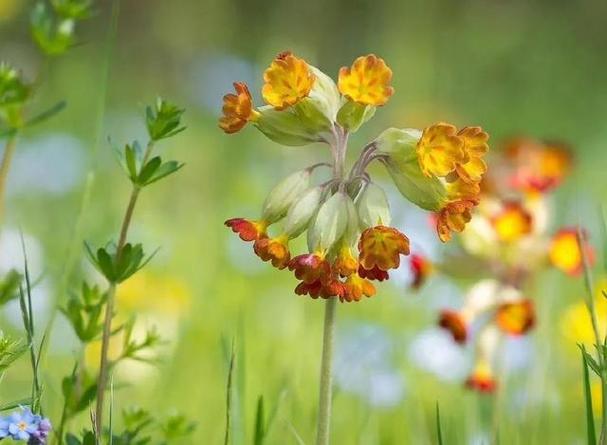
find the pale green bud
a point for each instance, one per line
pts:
(285, 127)
(353, 228)
(373, 207)
(399, 146)
(284, 194)
(302, 211)
(352, 115)
(330, 223)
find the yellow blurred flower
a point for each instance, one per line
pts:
(565, 252)
(475, 146)
(288, 80)
(439, 150)
(575, 323)
(367, 81)
(512, 222)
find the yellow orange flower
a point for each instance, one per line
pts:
(237, 109)
(421, 268)
(454, 322)
(482, 379)
(345, 264)
(576, 323)
(565, 253)
(381, 247)
(474, 148)
(453, 218)
(325, 288)
(288, 80)
(373, 274)
(355, 287)
(440, 150)
(275, 250)
(247, 230)
(517, 317)
(512, 222)
(310, 268)
(367, 81)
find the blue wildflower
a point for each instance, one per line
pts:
(39, 436)
(21, 425)
(3, 428)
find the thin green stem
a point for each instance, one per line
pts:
(7, 157)
(326, 378)
(104, 364)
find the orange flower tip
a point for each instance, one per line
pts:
(475, 146)
(247, 230)
(310, 268)
(367, 81)
(421, 268)
(345, 264)
(355, 288)
(481, 383)
(237, 109)
(565, 252)
(516, 318)
(440, 150)
(380, 247)
(288, 80)
(373, 274)
(453, 322)
(454, 217)
(512, 222)
(316, 289)
(275, 250)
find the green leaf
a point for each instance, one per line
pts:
(439, 432)
(588, 398)
(164, 120)
(164, 170)
(47, 114)
(260, 431)
(9, 286)
(16, 404)
(149, 169)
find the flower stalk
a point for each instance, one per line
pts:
(326, 377)
(7, 157)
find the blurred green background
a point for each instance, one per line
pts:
(516, 67)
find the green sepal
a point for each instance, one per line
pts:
(352, 115)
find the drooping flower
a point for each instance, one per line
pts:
(453, 218)
(381, 247)
(326, 287)
(275, 250)
(516, 317)
(345, 264)
(474, 148)
(238, 109)
(482, 378)
(367, 81)
(421, 268)
(455, 323)
(373, 274)
(512, 222)
(288, 80)
(248, 230)
(565, 252)
(440, 150)
(356, 287)
(310, 268)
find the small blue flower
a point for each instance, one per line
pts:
(3, 427)
(21, 425)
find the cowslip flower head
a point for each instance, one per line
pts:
(346, 263)
(474, 147)
(356, 287)
(238, 109)
(482, 378)
(288, 80)
(516, 317)
(455, 323)
(440, 150)
(310, 268)
(565, 251)
(367, 81)
(275, 250)
(512, 222)
(453, 218)
(421, 268)
(381, 247)
(248, 230)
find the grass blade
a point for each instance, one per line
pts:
(439, 431)
(229, 390)
(260, 421)
(588, 399)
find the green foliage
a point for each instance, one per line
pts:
(142, 172)
(78, 391)
(588, 398)
(260, 423)
(87, 438)
(84, 311)
(175, 426)
(164, 120)
(74, 9)
(10, 350)
(133, 349)
(9, 286)
(14, 93)
(118, 267)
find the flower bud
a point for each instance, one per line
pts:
(427, 192)
(285, 127)
(284, 194)
(318, 111)
(302, 211)
(330, 223)
(373, 207)
(352, 115)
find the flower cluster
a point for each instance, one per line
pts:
(23, 425)
(347, 217)
(510, 238)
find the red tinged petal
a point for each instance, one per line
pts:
(247, 230)
(310, 267)
(275, 250)
(373, 274)
(381, 247)
(455, 324)
(421, 268)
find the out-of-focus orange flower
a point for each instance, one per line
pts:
(565, 253)
(310, 268)
(367, 81)
(421, 268)
(381, 247)
(248, 230)
(288, 80)
(275, 250)
(326, 288)
(482, 379)
(237, 109)
(345, 264)
(512, 222)
(454, 322)
(355, 287)
(453, 218)
(475, 146)
(373, 274)
(517, 317)
(440, 150)
(538, 167)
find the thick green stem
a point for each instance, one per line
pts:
(7, 157)
(326, 378)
